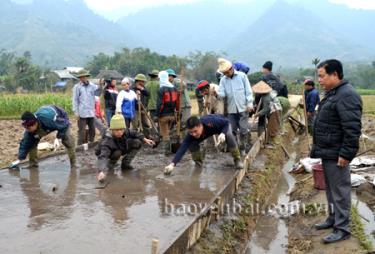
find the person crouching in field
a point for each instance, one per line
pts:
(201, 129)
(44, 121)
(118, 142)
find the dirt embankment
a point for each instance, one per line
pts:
(231, 233)
(11, 134)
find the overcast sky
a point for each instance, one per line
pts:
(109, 5)
(118, 8)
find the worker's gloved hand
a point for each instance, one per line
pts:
(56, 144)
(14, 164)
(168, 169)
(221, 138)
(101, 176)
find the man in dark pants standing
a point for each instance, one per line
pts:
(336, 133)
(84, 105)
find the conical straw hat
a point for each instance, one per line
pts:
(261, 88)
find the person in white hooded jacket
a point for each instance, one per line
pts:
(125, 103)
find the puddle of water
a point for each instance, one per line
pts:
(124, 217)
(271, 232)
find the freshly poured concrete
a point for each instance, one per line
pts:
(56, 210)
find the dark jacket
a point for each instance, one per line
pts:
(312, 99)
(108, 144)
(110, 97)
(273, 81)
(50, 118)
(212, 124)
(144, 97)
(337, 126)
(165, 106)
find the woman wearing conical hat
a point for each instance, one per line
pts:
(269, 109)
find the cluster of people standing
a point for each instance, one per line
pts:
(228, 109)
(152, 107)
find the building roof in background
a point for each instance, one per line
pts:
(74, 69)
(64, 74)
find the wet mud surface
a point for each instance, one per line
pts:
(54, 209)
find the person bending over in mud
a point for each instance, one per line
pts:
(201, 129)
(117, 142)
(39, 124)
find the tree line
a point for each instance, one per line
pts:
(19, 71)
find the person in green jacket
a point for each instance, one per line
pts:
(152, 87)
(185, 103)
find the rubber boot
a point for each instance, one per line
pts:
(249, 144)
(270, 143)
(242, 144)
(236, 158)
(72, 157)
(128, 158)
(197, 158)
(167, 147)
(33, 158)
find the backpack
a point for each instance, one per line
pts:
(170, 99)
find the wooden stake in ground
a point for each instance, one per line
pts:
(155, 246)
(140, 127)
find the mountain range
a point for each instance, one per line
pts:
(291, 33)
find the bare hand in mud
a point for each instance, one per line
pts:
(342, 162)
(101, 177)
(149, 142)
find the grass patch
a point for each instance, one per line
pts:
(368, 104)
(12, 105)
(357, 229)
(366, 91)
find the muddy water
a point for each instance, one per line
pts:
(271, 232)
(367, 217)
(56, 210)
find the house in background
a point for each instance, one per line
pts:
(64, 80)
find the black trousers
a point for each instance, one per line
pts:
(82, 122)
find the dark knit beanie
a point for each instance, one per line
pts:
(28, 119)
(268, 65)
(26, 116)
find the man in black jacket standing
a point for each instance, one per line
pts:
(336, 133)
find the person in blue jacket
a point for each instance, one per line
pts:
(200, 129)
(311, 101)
(39, 124)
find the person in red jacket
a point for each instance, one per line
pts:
(99, 116)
